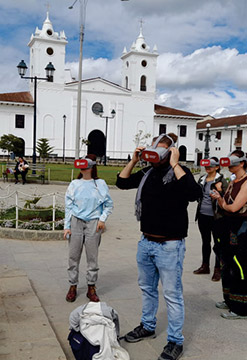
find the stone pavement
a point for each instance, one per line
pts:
(34, 313)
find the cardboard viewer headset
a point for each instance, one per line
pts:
(84, 163)
(231, 160)
(155, 154)
(209, 162)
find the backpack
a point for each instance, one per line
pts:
(81, 347)
(95, 333)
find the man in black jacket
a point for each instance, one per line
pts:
(163, 195)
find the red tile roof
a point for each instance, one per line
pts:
(164, 110)
(17, 97)
(221, 122)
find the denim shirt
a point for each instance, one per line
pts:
(87, 200)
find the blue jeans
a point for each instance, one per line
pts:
(165, 262)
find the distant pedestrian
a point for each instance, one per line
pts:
(21, 168)
(87, 206)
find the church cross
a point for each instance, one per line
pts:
(48, 6)
(141, 25)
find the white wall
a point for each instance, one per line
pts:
(222, 147)
(172, 124)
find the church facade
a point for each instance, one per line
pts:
(132, 102)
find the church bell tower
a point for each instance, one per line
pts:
(139, 66)
(46, 46)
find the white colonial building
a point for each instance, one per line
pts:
(226, 134)
(133, 102)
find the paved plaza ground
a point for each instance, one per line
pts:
(33, 284)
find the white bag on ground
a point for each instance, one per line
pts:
(99, 324)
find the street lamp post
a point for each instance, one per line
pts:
(207, 139)
(83, 5)
(178, 127)
(64, 125)
(22, 68)
(113, 113)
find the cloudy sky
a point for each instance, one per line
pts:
(202, 45)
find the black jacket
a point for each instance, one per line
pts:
(164, 206)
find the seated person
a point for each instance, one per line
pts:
(21, 168)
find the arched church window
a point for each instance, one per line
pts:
(49, 51)
(126, 82)
(143, 86)
(144, 46)
(144, 63)
(127, 64)
(49, 32)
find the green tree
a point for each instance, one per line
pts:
(43, 148)
(11, 143)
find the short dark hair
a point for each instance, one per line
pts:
(166, 140)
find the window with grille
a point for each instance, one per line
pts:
(183, 130)
(162, 129)
(20, 121)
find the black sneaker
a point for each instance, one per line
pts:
(139, 333)
(171, 351)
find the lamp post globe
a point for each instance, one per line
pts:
(22, 68)
(113, 113)
(50, 71)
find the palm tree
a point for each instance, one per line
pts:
(43, 148)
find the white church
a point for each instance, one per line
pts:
(133, 103)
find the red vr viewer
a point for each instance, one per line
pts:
(84, 163)
(209, 162)
(231, 160)
(155, 154)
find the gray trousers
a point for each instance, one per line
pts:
(83, 233)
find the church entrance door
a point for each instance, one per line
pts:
(183, 153)
(96, 144)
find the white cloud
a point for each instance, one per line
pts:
(204, 68)
(200, 68)
(203, 102)
(91, 68)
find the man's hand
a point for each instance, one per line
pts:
(125, 173)
(136, 154)
(174, 159)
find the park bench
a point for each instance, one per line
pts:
(34, 171)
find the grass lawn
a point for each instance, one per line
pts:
(26, 215)
(64, 172)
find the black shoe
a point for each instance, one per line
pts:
(16, 182)
(171, 351)
(139, 333)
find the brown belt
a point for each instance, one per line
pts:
(160, 239)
